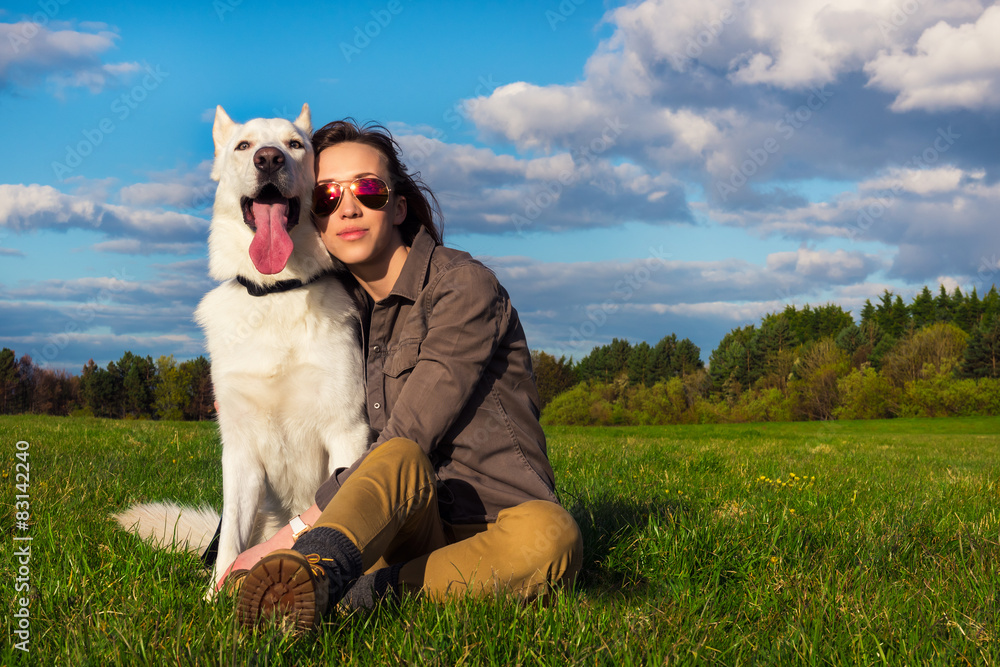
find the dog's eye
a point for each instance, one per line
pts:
(295, 143)
(243, 145)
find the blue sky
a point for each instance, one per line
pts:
(629, 170)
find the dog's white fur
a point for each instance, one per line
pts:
(286, 367)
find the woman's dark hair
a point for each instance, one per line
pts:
(421, 204)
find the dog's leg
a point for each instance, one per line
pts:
(345, 443)
(242, 488)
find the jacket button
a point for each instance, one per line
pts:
(376, 405)
(375, 348)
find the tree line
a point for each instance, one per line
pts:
(133, 387)
(935, 356)
(938, 354)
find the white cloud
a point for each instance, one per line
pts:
(920, 181)
(738, 313)
(782, 43)
(666, 77)
(934, 221)
(485, 192)
(556, 286)
(118, 291)
(833, 267)
(949, 67)
(137, 247)
(32, 207)
(568, 307)
(183, 189)
(67, 58)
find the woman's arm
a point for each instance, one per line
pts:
(282, 540)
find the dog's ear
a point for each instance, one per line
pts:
(304, 121)
(220, 135)
(220, 131)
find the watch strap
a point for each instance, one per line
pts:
(298, 526)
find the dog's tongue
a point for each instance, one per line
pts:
(271, 246)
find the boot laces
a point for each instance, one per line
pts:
(315, 561)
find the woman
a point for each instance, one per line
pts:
(456, 493)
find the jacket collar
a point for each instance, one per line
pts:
(414, 274)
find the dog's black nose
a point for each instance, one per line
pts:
(268, 160)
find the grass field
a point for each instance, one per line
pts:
(841, 543)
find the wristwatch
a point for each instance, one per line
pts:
(298, 527)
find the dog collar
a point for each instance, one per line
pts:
(254, 289)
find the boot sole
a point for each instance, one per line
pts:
(282, 588)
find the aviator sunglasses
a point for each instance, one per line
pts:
(372, 192)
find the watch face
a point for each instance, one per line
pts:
(298, 527)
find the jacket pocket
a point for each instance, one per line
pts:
(401, 359)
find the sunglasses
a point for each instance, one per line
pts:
(372, 192)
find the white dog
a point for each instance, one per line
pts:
(283, 340)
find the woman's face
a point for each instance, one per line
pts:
(360, 237)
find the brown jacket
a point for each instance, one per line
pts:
(448, 367)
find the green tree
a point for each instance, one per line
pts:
(939, 344)
(849, 339)
(664, 358)
(137, 376)
(816, 379)
(24, 395)
(8, 380)
(868, 313)
(172, 389)
(605, 363)
(982, 354)
(552, 376)
(200, 407)
(731, 361)
(864, 394)
(922, 309)
(957, 302)
(767, 347)
(687, 358)
(969, 312)
(640, 365)
(942, 305)
(991, 304)
(892, 315)
(100, 390)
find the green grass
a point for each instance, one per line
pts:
(695, 553)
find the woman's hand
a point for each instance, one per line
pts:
(246, 560)
(283, 539)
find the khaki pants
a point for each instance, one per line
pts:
(388, 508)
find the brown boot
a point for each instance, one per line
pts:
(233, 584)
(288, 586)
